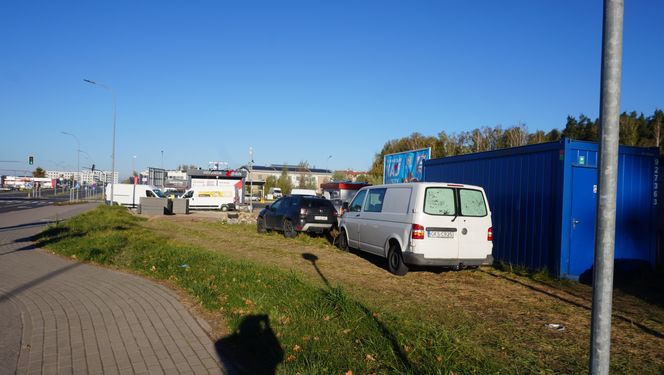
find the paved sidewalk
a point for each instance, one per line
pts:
(78, 318)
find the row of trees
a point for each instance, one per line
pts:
(635, 130)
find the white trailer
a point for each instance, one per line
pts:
(223, 197)
(130, 194)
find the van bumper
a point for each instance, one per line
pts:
(414, 259)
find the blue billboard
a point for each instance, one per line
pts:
(404, 166)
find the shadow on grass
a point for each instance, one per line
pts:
(253, 349)
(384, 331)
(587, 306)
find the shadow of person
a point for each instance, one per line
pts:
(253, 349)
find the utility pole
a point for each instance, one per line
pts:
(609, 115)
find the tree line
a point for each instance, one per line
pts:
(635, 130)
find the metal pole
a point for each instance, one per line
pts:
(114, 118)
(600, 342)
(251, 186)
(78, 156)
(162, 159)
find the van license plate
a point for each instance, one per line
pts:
(440, 234)
(320, 217)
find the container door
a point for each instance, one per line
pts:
(582, 222)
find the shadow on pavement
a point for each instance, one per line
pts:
(38, 281)
(254, 348)
(26, 225)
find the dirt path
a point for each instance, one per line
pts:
(509, 312)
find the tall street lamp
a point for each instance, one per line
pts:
(114, 116)
(78, 156)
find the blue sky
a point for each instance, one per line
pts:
(205, 81)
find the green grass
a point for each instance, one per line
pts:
(277, 318)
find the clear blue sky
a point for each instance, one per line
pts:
(204, 81)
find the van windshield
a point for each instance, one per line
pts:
(439, 201)
(158, 193)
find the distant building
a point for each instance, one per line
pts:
(88, 177)
(350, 174)
(314, 176)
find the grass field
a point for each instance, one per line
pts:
(315, 309)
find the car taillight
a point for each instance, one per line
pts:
(303, 212)
(417, 232)
(489, 235)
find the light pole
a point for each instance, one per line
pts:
(133, 167)
(162, 159)
(78, 155)
(114, 116)
(251, 187)
(327, 162)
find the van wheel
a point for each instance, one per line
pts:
(395, 262)
(289, 230)
(343, 241)
(260, 225)
(224, 208)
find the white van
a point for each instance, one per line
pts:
(303, 192)
(222, 197)
(130, 194)
(275, 192)
(421, 223)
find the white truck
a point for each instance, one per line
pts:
(223, 197)
(130, 194)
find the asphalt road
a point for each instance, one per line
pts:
(19, 200)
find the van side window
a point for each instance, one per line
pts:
(439, 201)
(356, 204)
(396, 200)
(472, 203)
(374, 201)
(189, 194)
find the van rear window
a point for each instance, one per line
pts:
(439, 201)
(472, 203)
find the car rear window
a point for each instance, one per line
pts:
(439, 201)
(316, 203)
(472, 203)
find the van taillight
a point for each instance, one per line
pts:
(489, 235)
(417, 232)
(303, 212)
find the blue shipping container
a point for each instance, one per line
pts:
(543, 200)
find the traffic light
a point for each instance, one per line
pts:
(31, 160)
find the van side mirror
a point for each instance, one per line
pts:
(344, 206)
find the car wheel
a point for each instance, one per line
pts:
(224, 208)
(395, 262)
(289, 229)
(260, 225)
(343, 240)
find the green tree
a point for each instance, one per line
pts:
(284, 182)
(339, 176)
(362, 178)
(39, 172)
(306, 181)
(270, 182)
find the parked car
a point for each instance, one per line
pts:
(428, 224)
(297, 213)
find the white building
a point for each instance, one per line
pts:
(87, 177)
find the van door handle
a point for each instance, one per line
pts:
(574, 222)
